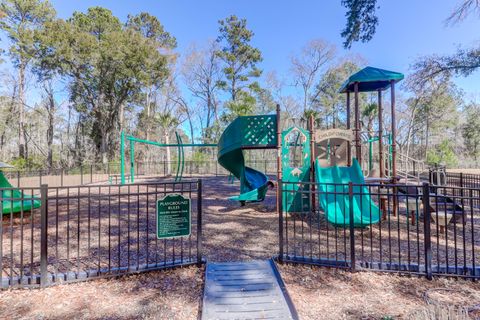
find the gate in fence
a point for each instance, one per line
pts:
(65, 234)
(423, 229)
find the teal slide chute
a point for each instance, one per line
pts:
(13, 200)
(334, 198)
(248, 132)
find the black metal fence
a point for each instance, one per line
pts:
(65, 234)
(439, 175)
(86, 174)
(92, 174)
(422, 229)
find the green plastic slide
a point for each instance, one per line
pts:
(13, 200)
(249, 132)
(334, 199)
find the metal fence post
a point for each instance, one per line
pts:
(427, 231)
(43, 235)
(91, 173)
(461, 180)
(199, 223)
(352, 227)
(280, 220)
(18, 179)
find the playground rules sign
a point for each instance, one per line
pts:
(173, 217)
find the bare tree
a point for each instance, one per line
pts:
(307, 66)
(463, 10)
(201, 72)
(168, 116)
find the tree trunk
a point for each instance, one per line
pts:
(104, 146)
(305, 98)
(409, 134)
(50, 121)
(8, 119)
(427, 132)
(169, 155)
(148, 155)
(21, 110)
(121, 117)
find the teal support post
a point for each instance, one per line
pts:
(183, 159)
(122, 158)
(132, 161)
(179, 155)
(131, 138)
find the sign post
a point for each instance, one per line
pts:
(174, 217)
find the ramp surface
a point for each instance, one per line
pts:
(245, 290)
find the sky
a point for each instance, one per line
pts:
(408, 29)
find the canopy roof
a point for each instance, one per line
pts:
(5, 165)
(371, 79)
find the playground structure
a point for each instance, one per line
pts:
(331, 208)
(251, 132)
(297, 159)
(14, 201)
(132, 140)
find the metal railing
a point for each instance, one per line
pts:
(422, 229)
(410, 168)
(83, 232)
(439, 175)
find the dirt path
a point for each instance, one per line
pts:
(232, 232)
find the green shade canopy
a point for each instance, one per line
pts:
(371, 79)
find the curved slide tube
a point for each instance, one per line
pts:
(334, 198)
(252, 132)
(13, 200)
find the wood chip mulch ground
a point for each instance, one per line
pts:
(321, 293)
(171, 294)
(233, 233)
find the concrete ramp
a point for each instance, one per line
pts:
(245, 290)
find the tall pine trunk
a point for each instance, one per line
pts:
(22, 152)
(50, 121)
